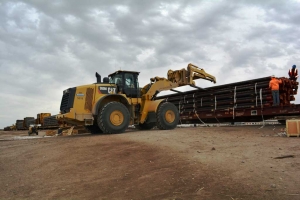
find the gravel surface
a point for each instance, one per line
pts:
(184, 163)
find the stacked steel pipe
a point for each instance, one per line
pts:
(287, 91)
(27, 121)
(50, 121)
(31, 121)
(253, 93)
(7, 128)
(19, 124)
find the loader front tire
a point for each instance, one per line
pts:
(167, 116)
(114, 117)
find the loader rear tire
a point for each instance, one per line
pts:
(167, 116)
(114, 118)
(145, 126)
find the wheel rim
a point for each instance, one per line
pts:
(116, 118)
(170, 116)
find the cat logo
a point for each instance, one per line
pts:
(111, 90)
(107, 90)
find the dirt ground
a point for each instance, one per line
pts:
(185, 163)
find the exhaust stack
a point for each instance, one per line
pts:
(98, 77)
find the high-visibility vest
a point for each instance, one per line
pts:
(293, 73)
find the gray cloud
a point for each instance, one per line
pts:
(46, 47)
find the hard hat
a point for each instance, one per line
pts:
(294, 66)
(272, 76)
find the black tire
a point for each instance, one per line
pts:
(145, 126)
(167, 116)
(114, 117)
(94, 129)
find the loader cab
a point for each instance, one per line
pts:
(127, 82)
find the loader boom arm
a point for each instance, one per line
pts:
(175, 79)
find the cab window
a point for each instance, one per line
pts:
(116, 79)
(130, 80)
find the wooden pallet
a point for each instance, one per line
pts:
(293, 128)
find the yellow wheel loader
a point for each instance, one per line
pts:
(115, 103)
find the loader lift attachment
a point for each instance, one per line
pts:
(187, 77)
(175, 79)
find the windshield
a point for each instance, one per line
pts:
(115, 79)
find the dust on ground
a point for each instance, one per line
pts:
(184, 163)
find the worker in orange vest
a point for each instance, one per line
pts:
(293, 73)
(274, 86)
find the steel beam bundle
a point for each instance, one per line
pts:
(253, 93)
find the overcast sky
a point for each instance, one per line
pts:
(49, 46)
